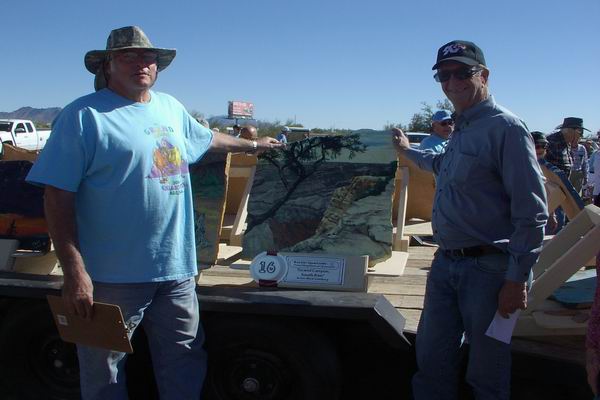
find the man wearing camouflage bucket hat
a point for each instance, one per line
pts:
(488, 219)
(119, 210)
(128, 38)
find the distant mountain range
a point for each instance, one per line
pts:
(47, 115)
(43, 115)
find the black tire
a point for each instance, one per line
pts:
(253, 358)
(35, 364)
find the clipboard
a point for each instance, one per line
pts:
(106, 330)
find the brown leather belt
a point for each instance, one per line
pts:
(475, 251)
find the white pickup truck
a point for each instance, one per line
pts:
(22, 133)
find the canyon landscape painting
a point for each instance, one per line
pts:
(324, 194)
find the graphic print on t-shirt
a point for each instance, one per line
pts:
(167, 164)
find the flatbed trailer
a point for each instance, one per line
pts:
(262, 342)
(274, 343)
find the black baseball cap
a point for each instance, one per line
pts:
(462, 51)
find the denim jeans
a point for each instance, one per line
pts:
(169, 313)
(461, 297)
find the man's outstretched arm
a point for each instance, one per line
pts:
(229, 144)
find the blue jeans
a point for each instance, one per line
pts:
(169, 313)
(461, 297)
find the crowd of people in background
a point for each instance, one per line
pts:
(565, 150)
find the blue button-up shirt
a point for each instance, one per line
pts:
(489, 188)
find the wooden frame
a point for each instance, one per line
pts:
(239, 225)
(402, 179)
(564, 255)
(241, 170)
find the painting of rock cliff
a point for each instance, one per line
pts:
(324, 194)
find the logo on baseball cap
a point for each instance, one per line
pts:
(461, 51)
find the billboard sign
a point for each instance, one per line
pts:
(240, 109)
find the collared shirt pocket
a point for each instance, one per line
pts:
(464, 165)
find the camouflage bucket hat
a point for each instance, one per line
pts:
(129, 37)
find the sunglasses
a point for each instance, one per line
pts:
(130, 57)
(447, 123)
(541, 146)
(460, 74)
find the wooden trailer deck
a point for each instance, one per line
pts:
(406, 293)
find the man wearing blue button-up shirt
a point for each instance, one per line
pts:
(488, 218)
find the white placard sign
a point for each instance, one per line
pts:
(315, 270)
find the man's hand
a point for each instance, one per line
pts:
(78, 294)
(512, 296)
(592, 366)
(267, 143)
(400, 140)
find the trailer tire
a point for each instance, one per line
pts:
(253, 358)
(35, 362)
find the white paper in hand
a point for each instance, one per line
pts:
(502, 328)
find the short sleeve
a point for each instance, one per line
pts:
(62, 162)
(198, 138)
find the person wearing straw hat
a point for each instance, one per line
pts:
(119, 210)
(488, 218)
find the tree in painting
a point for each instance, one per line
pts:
(301, 159)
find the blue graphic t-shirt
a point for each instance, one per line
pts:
(128, 164)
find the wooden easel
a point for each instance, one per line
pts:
(241, 177)
(559, 195)
(413, 200)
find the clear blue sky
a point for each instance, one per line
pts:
(343, 63)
